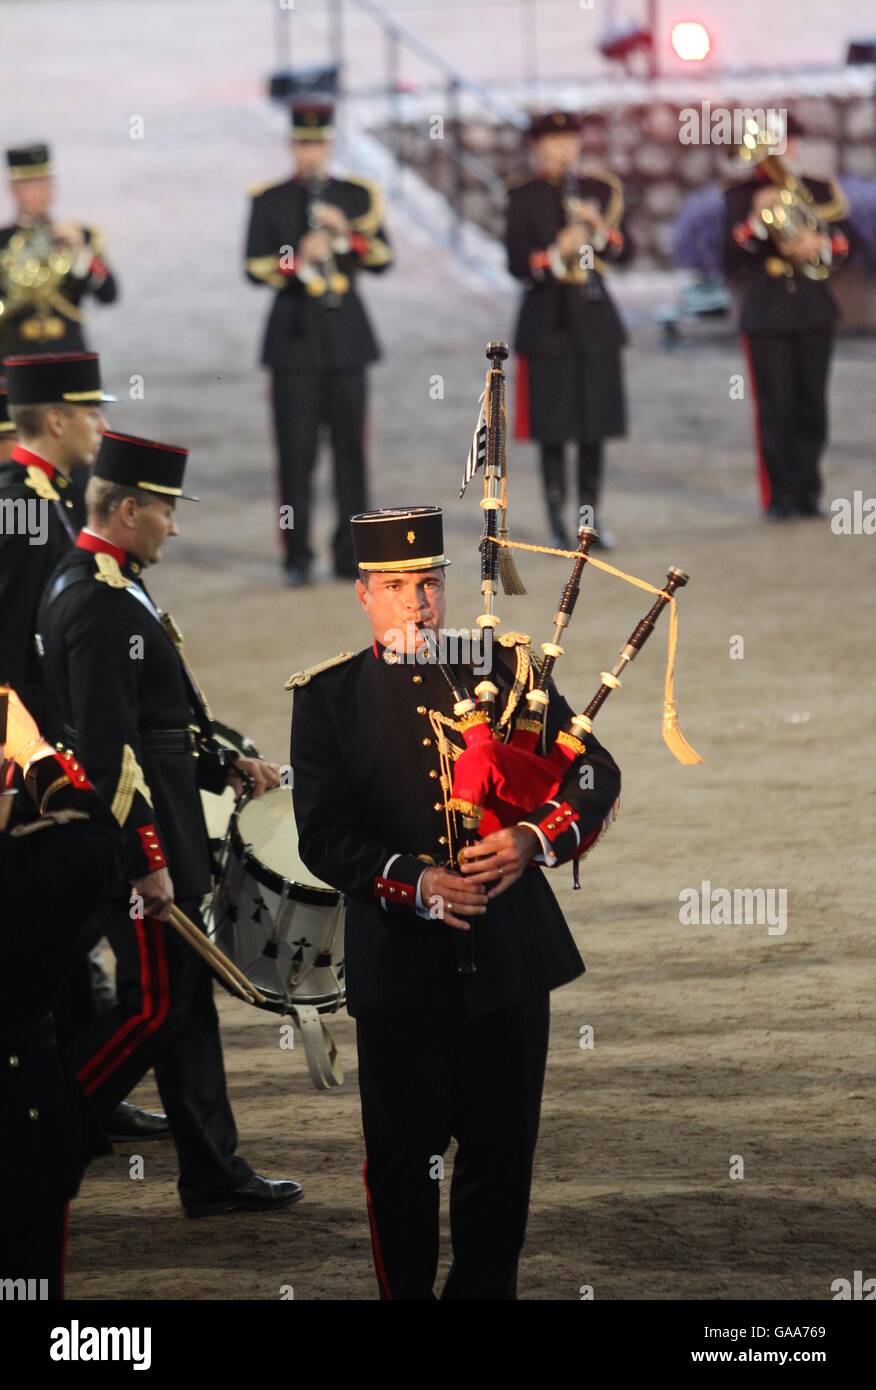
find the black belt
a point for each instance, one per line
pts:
(152, 740)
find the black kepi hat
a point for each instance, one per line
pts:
(399, 539)
(554, 123)
(312, 120)
(142, 464)
(28, 162)
(7, 426)
(49, 378)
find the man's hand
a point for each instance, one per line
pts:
(24, 742)
(499, 858)
(766, 198)
(569, 242)
(264, 775)
(332, 218)
(458, 899)
(314, 247)
(806, 244)
(156, 890)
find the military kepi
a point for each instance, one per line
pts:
(49, 378)
(399, 539)
(312, 120)
(142, 464)
(554, 123)
(28, 162)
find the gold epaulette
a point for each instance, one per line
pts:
(255, 190)
(837, 205)
(372, 219)
(303, 677)
(41, 484)
(108, 572)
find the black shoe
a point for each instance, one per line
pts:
(779, 512)
(258, 1194)
(130, 1122)
(296, 575)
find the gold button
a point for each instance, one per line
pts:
(439, 806)
(442, 839)
(421, 709)
(432, 772)
(33, 1113)
(68, 503)
(426, 742)
(417, 680)
(13, 1061)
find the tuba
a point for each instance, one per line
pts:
(33, 266)
(796, 210)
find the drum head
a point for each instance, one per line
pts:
(267, 824)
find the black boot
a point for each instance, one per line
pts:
(553, 476)
(589, 487)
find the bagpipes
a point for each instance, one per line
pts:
(506, 769)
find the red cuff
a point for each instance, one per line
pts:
(288, 269)
(393, 890)
(839, 244)
(74, 771)
(359, 243)
(99, 268)
(151, 847)
(616, 237)
(538, 260)
(742, 232)
(556, 821)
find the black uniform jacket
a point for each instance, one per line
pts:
(56, 327)
(368, 806)
(53, 875)
(559, 313)
(303, 332)
(776, 297)
(37, 505)
(125, 701)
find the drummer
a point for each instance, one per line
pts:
(132, 712)
(441, 1054)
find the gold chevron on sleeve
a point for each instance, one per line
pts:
(131, 780)
(265, 268)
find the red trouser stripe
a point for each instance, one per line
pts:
(763, 477)
(155, 1004)
(521, 400)
(379, 1266)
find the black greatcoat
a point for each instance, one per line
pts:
(24, 571)
(302, 334)
(366, 788)
(569, 335)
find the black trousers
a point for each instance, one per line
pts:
(422, 1083)
(165, 1018)
(790, 378)
(37, 1250)
(302, 402)
(553, 476)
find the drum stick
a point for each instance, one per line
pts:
(215, 958)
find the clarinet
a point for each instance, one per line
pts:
(331, 276)
(582, 724)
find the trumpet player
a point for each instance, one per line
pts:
(42, 311)
(564, 228)
(787, 314)
(309, 236)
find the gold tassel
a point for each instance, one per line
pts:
(672, 736)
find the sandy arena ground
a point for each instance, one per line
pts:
(710, 1041)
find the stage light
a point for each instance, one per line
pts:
(691, 41)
